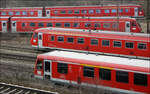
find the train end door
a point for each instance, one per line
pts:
(47, 69)
(47, 13)
(13, 26)
(127, 26)
(40, 41)
(136, 12)
(4, 26)
(39, 13)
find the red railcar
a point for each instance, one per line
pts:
(113, 73)
(29, 24)
(101, 42)
(61, 11)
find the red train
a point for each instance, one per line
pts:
(101, 10)
(113, 73)
(29, 24)
(100, 42)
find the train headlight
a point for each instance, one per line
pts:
(34, 40)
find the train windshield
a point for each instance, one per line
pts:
(140, 9)
(39, 65)
(35, 35)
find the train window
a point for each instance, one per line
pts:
(115, 25)
(106, 11)
(66, 24)
(129, 44)
(60, 38)
(88, 71)
(63, 12)
(35, 35)
(52, 38)
(106, 25)
(10, 13)
(70, 39)
(80, 40)
(91, 11)
(75, 24)
(83, 11)
(105, 43)
(141, 45)
(58, 24)
(87, 24)
(39, 65)
(55, 12)
(32, 24)
(76, 11)
(120, 10)
(14, 24)
(49, 25)
(117, 44)
(114, 11)
(98, 11)
(23, 24)
(3, 13)
(126, 10)
(122, 76)
(94, 41)
(4, 24)
(62, 68)
(140, 9)
(105, 74)
(70, 11)
(140, 79)
(40, 24)
(17, 13)
(97, 25)
(24, 13)
(133, 23)
(31, 13)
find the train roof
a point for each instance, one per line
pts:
(96, 34)
(109, 62)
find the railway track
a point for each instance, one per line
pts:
(15, 89)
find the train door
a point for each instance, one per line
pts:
(39, 13)
(47, 69)
(4, 26)
(13, 26)
(40, 42)
(127, 27)
(135, 12)
(47, 13)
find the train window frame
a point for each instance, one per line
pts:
(97, 11)
(106, 11)
(63, 12)
(114, 11)
(120, 45)
(52, 38)
(91, 11)
(72, 41)
(3, 13)
(88, 71)
(104, 74)
(17, 13)
(67, 25)
(122, 76)
(39, 64)
(23, 24)
(40, 24)
(84, 11)
(115, 25)
(24, 13)
(129, 47)
(76, 24)
(60, 38)
(76, 11)
(56, 25)
(31, 13)
(143, 48)
(80, 40)
(32, 24)
(93, 42)
(49, 24)
(62, 68)
(87, 24)
(106, 25)
(107, 44)
(97, 25)
(70, 11)
(137, 80)
(10, 13)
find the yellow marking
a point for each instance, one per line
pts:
(96, 66)
(68, 34)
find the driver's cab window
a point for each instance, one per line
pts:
(39, 65)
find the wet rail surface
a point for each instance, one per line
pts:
(15, 89)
